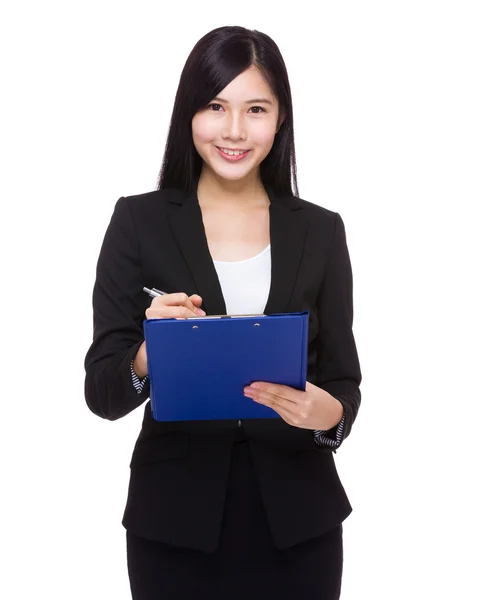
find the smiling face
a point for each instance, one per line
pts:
(235, 132)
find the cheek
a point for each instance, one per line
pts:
(264, 138)
(202, 131)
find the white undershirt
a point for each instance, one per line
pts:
(245, 283)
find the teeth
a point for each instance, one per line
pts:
(232, 152)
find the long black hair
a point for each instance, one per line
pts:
(216, 59)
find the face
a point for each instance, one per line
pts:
(243, 117)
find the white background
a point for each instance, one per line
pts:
(389, 117)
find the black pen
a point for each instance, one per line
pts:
(154, 292)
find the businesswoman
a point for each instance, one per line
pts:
(230, 508)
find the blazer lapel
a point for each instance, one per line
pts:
(188, 228)
(288, 228)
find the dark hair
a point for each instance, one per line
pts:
(217, 58)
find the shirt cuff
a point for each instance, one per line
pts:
(334, 439)
(137, 382)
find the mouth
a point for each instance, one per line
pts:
(232, 155)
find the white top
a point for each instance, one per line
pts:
(245, 283)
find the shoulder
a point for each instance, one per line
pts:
(317, 210)
(147, 207)
(147, 201)
(319, 216)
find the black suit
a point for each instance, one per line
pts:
(179, 469)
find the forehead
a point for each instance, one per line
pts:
(248, 84)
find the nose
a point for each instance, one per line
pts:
(234, 128)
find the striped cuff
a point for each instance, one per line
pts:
(137, 382)
(322, 439)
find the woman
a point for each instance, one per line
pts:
(225, 508)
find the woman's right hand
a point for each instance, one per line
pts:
(168, 306)
(175, 306)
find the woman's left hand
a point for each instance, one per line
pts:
(312, 409)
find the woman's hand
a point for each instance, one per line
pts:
(168, 306)
(312, 409)
(175, 306)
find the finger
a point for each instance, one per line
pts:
(194, 308)
(286, 415)
(280, 391)
(197, 302)
(273, 401)
(178, 299)
(168, 312)
(196, 299)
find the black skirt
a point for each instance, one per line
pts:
(246, 564)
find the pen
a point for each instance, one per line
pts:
(154, 292)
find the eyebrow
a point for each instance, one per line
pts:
(253, 101)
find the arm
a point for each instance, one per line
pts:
(118, 316)
(338, 369)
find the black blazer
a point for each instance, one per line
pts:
(179, 469)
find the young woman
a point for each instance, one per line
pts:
(223, 508)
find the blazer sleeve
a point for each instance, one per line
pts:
(338, 369)
(118, 314)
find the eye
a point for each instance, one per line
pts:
(217, 108)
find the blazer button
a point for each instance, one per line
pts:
(239, 423)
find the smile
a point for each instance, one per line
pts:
(232, 155)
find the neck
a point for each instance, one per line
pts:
(215, 191)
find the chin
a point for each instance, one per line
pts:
(233, 176)
(231, 172)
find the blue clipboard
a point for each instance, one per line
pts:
(199, 366)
